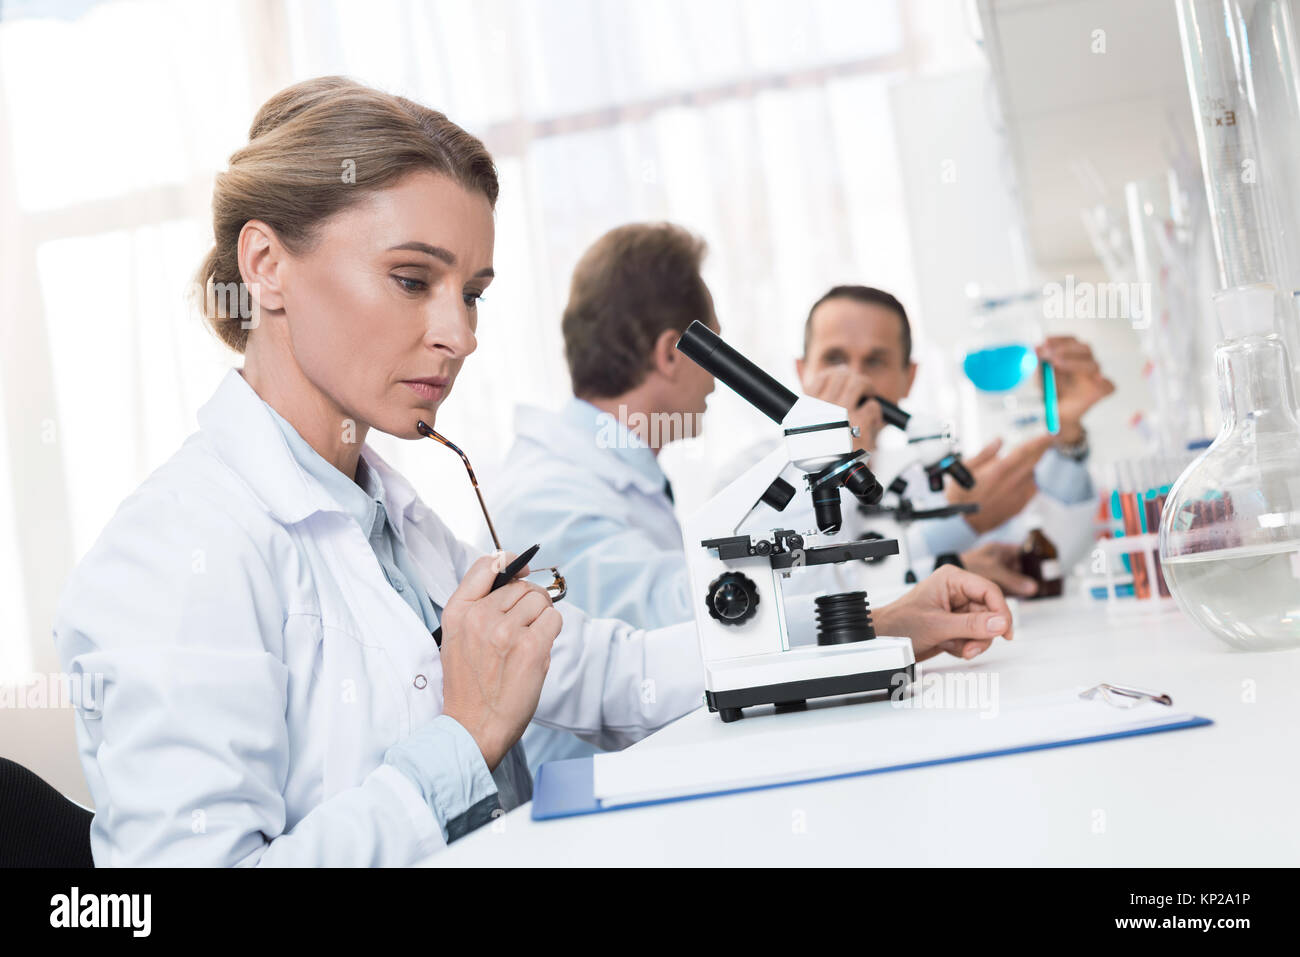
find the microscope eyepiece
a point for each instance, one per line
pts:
(891, 413)
(705, 347)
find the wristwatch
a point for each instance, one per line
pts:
(1076, 452)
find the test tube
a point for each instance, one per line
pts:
(1051, 404)
(1114, 512)
(1128, 500)
(1152, 503)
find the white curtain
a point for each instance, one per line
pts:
(762, 125)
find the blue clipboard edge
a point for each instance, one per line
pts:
(567, 788)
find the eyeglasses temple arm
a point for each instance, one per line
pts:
(473, 479)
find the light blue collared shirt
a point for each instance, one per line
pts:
(441, 758)
(592, 494)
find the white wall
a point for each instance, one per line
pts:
(965, 219)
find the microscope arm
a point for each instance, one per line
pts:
(731, 506)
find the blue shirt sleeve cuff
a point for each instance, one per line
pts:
(1063, 478)
(444, 762)
(951, 534)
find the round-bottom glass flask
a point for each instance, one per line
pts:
(1230, 532)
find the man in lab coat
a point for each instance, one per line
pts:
(858, 343)
(585, 482)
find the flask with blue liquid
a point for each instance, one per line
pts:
(1001, 362)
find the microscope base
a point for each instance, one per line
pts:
(793, 695)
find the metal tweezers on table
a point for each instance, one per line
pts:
(1122, 697)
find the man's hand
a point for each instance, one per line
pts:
(496, 649)
(840, 385)
(952, 610)
(1003, 486)
(1000, 564)
(1079, 382)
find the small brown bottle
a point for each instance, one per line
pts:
(1039, 561)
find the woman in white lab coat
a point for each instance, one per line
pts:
(258, 613)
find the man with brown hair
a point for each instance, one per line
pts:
(585, 481)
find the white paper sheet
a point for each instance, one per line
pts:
(871, 736)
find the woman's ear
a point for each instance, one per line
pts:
(261, 260)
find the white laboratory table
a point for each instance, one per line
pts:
(1226, 794)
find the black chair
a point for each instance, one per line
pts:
(39, 827)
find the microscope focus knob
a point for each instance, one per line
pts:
(732, 598)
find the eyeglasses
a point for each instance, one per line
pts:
(557, 589)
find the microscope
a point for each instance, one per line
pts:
(933, 447)
(736, 579)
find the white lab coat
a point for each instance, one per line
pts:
(593, 496)
(256, 665)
